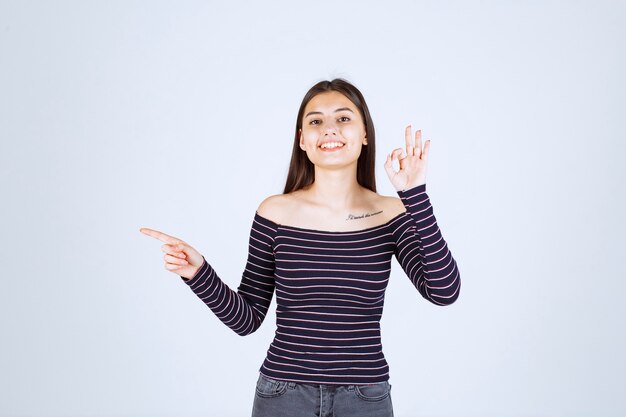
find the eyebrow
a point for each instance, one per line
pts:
(339, 109)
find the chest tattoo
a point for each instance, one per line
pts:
(353, 217)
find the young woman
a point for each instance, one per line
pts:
(325, 246)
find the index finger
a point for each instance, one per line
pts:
(160, 235)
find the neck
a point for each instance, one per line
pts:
(336, 189)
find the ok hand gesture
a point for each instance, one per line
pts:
(180, 258)
(412, 165)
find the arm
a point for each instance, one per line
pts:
(243, 311)
(422, 252)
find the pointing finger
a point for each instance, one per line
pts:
(160, 235)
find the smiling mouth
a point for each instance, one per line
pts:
(331, 145)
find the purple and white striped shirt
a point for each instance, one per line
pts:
(330, 291)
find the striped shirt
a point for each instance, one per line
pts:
(330, 291)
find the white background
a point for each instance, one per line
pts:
(180, 116)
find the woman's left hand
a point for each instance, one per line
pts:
(412, 165)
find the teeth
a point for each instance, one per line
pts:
(331, 145)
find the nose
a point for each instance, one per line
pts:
(330, 130)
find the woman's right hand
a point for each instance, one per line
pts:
(180, 258)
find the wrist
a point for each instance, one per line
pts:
(412, 186)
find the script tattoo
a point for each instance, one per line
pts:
(352, 217)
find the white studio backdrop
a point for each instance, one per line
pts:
(180, 116)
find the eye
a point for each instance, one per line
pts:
(317, 120)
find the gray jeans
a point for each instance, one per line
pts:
(274, 398)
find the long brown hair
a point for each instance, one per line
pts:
(302, 171)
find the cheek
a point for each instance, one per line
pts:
(310, 136)
(352, 131)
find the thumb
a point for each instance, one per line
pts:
(189, 253)
(389, 167)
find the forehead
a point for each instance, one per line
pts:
(329, 101)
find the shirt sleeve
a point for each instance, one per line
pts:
(422, 251)
(244, 310)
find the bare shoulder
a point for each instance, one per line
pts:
(393, 205)
(296, 209)
(274, 207)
